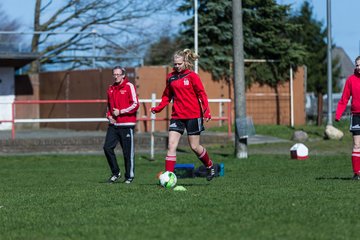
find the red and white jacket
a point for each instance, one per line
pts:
(188, 95)
(351, 89)
(123, 97)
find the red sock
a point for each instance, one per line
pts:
(170, 162)
(204, 158)
(355, 159)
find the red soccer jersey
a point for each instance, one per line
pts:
(188, 95)
(124, 98)
(351, 89)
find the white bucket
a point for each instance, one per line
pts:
(299, 151)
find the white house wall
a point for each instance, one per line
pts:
(7, 95)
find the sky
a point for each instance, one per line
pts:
(344, 28)
(343, 19)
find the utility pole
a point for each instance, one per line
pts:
(239, 81)
(329, 66)
(196, 67)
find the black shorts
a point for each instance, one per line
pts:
(355, 124)
(193, 126)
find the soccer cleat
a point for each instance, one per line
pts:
(114, 178)
(210, 173)
(129, 180)
(356, 177)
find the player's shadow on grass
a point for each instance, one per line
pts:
(183, 184)
(194, 184)
(147, 158)
(108, 183)
(222, 154)
(334, 178)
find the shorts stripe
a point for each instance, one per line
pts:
(199, 124)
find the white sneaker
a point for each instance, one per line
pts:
(114, 178)
(129, 180)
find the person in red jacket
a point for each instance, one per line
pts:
(352, 89)
(190, 107)
(122, 106)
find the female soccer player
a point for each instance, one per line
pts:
(352, 89)
(190, 108)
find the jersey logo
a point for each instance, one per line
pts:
(186, 82)
(176, 77)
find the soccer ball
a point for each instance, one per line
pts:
(167, 179)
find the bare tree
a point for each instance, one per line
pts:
(77, 32)
(7, 41)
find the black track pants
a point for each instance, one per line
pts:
(124, 136)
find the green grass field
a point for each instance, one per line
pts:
(267, 196)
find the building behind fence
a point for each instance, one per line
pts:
(264, 104)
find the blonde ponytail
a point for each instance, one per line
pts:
(188, 56)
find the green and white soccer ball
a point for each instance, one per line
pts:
(167, 179)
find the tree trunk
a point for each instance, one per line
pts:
(320, 103)
(239, 79)
(35, 65)
(277, 105)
